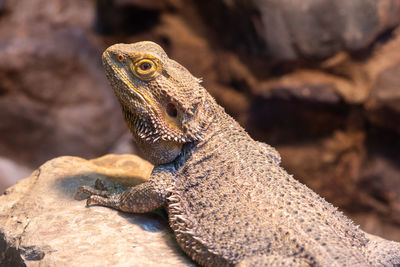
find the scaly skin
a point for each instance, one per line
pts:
(228, 200)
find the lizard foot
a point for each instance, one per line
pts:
(98, 190)
(99, 195)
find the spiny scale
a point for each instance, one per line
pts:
(149, 133)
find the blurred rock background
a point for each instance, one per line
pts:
(317, 79)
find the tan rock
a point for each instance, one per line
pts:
(42, 224)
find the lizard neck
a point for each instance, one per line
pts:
(219, 127)
(159, 152)
(166, 151)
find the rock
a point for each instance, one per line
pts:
(383, 105)
(128, 16)
(292, 30)
(3, 4)
(54, 98)
(144, 4)
(42, 224)
(330, 165)
(378, 183)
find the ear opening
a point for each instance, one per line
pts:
(171, 110)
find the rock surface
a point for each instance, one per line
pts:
(54, 98)
(292, 30)
(42, 224)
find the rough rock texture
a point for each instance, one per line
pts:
(292, 30)
(383, 104)
(330, 108)
(42, 224)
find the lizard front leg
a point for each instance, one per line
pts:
(142, 198)
(139, 199)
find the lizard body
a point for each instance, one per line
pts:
(228, 200)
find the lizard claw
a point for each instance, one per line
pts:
(90, 201)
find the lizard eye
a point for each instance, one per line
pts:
(144, 69)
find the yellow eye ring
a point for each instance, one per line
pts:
(144, 69)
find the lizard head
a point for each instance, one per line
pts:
(162, 102)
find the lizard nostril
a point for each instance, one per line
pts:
(171, 110)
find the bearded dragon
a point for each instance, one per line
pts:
(229, 202)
